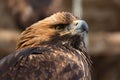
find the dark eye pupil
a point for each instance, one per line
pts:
(60, 27)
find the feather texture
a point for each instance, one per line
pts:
(42, 54)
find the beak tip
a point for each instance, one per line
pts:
(83, 25)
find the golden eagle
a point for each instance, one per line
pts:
(51, 49)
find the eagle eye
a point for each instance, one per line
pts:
(60, 27)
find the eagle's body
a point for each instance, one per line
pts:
(43, 53)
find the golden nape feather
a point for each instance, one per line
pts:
(44, 29)
(51, 49)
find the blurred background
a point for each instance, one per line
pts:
(103, 17)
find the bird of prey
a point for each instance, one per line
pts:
(51, 49)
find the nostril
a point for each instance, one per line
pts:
(76, 23)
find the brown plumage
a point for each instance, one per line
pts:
(51, 49)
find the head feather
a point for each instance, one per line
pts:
(41, 31)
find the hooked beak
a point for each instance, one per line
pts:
(77, 27)
(81, 26)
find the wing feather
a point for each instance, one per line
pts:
(11, 59)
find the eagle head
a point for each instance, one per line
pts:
(60, 28)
